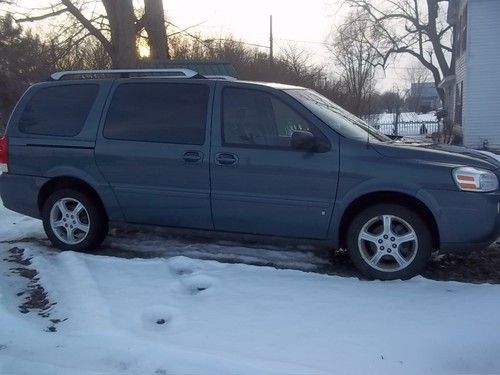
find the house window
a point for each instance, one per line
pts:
(460, 33)
(463, 31)
(459, 101)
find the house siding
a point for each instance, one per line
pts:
(481, 115)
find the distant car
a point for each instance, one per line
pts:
(182, 150)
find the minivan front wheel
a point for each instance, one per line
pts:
(389, 241)
(73, 221)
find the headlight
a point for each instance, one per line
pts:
(474, 179)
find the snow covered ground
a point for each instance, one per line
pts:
(172, 314)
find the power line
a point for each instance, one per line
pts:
(303, 41)
(272, 41)
(235, 41)
(206, 41)
(201, 24)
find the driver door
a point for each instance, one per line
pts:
(260, 184)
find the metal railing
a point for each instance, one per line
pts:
(409, 129)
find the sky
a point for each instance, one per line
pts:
(250, 20)
(305, 25)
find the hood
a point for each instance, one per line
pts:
(440, 153)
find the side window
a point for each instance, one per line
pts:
(58, 110)
(158, 112)
(252, 117)
(287, 120)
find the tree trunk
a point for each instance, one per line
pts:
(155, 27)
(123, 32)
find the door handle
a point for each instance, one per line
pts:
(224, 158)
(192, 156)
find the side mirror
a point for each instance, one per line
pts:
(303, 140)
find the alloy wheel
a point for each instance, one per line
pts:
(69, 221)
(388, 243)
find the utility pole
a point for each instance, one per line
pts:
(271, 57)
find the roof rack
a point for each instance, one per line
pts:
(126, 73)
(221, 77)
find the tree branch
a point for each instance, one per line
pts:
(41, 17)
(75, 12)
(140, 24)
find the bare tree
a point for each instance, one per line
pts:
(24, 61)
(292, 65)
(157, 35)
(354, 49)
(416, 75)
(113, 23)
(298, 65)
(391, 101)
(88, 54)
(414, 27)
(121, 18)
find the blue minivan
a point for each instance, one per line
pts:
(177, 149)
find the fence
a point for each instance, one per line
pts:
(409, 129)
(410, 124)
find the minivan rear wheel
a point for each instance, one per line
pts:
(389, 241)
(73, 220)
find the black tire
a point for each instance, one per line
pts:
(390, 259)
(97, 221)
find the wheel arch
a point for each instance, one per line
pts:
(373, 198)
(68, 182)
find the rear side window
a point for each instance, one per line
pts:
(158, 112)
(58, 110)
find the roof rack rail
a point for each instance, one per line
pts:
(126, 73)
(221, 77)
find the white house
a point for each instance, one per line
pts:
(473, 92)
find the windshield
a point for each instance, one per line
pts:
(336, 117)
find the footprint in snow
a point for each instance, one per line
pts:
(198, 283)
(158, 317)
(181, 266)
(186, 267)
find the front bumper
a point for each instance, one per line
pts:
(466, 221)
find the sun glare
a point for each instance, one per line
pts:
(144, 51)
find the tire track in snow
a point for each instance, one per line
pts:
(70, 283)
(26, 292)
